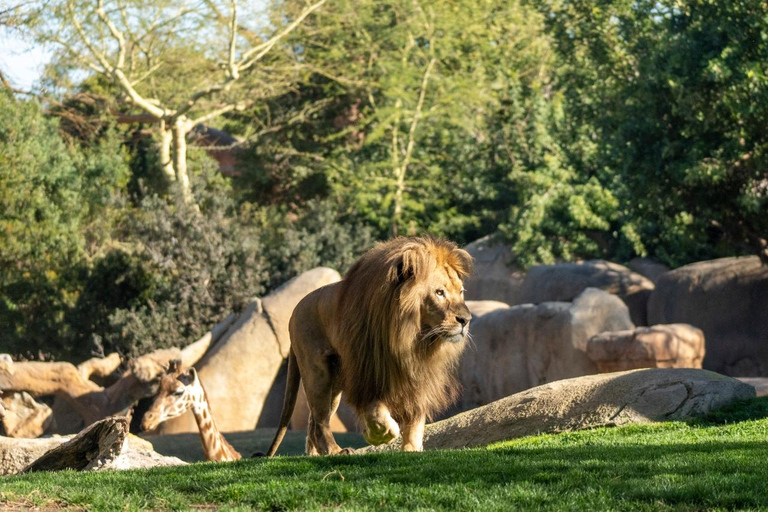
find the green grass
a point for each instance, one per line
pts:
(720, 462)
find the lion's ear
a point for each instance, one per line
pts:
(466, 262)
(403, 273)
(409, 265)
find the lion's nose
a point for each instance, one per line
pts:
(463, 320)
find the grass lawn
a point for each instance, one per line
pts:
(720, 462)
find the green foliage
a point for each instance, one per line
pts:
(189, 268)
(50, 196)
(578, 129)
(662, 466)
(674, 97)
(319, 236)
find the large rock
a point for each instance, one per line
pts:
(728, 300)
(637, 396)
(564, 281)
(660, 346)
(495, 276)
(24, 416)
(517, 348)
(649, 268)
(240, 373)
(479, 308)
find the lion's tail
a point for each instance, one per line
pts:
(289, 403)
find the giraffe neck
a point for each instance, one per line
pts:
(216, 448)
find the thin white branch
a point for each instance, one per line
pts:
(115, 33)
(218, 112)
(234, 72)
(417, 115)
(100, 57)
(146, 74)
(253, 55)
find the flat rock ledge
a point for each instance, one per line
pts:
(635, 396)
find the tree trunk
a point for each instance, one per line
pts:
(166, 138)
(180, 157)
(398, 201)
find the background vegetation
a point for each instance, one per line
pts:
(607, 129)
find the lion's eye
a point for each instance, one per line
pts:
(440, 293)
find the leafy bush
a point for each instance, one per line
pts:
(193, 267)
(318, 236)
(51, 194)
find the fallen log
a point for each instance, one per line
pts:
(90, 401)
(97, 445)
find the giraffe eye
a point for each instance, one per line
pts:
(179, 392)
(440, 293)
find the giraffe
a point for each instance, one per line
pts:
(179, 392)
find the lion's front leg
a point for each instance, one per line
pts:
(380, 428)
(413, 435)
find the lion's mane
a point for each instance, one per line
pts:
(383, 353)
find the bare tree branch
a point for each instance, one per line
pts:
(260, 50)
(234, 72)
(115, 33)
(218, 112)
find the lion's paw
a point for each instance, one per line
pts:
(381, 433)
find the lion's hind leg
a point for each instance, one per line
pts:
(323, 390)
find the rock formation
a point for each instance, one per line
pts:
(728, 300)
(637, 396)
(659, 346)
(516, 348)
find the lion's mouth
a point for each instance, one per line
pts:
(457, 336)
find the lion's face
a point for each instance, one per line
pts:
(444, 315)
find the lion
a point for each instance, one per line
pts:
(388, 336)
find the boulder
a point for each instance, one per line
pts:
(242, 372)
(728, 300)
(564, 281)
(479, 308)
(649, 268)
(609, 399)
(495, 276)
(759, 383)
(659, 346)
(24, 416)
(517, 348)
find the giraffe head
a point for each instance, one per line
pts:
(178, 392)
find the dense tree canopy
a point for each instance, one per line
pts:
(672, 99)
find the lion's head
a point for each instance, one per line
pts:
(406, 321)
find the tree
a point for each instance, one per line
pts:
(50, 196)
(666, 105)
(199, 47)
(416, 96)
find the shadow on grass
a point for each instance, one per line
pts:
(754, 409)
(714, 462)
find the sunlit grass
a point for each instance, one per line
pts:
(718, 462)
